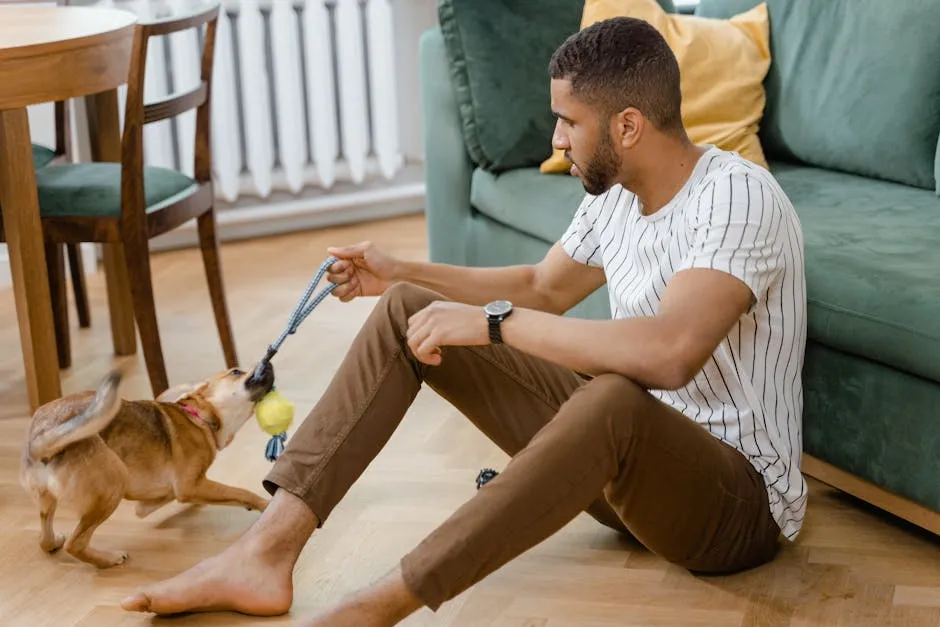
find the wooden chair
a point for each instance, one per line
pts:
(129, 203)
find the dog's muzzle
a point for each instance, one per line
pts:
(261, 380)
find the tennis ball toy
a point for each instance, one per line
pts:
(274, 414)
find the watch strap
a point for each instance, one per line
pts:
(496, 337)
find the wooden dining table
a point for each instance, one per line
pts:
(48, 54)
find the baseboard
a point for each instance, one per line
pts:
(251, 218)
(900, 506)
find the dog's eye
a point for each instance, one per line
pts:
(236, 372)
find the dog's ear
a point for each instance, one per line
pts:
(179, 392)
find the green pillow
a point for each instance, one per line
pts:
(853, 85)
(498, 52)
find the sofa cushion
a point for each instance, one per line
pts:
(871, 266)
(873, 421)
(528, 201)
(498, 53)
(853, 85)
(494, 53)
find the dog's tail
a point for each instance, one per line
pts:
(98, 415)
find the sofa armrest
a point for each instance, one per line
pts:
(447, 164)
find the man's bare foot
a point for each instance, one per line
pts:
(254, 576)
(231, 581)
(382, 605)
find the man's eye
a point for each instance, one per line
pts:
(236, 372)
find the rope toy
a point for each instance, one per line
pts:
(273, 412)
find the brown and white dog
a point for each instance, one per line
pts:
(91, 450)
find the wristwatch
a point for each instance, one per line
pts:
(496, 312)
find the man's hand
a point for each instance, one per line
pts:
(362, 270)
(444, 323)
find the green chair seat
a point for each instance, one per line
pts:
(42, 156)
(93, 190)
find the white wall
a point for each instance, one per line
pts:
(412, 17)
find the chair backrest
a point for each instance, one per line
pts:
(157, 18)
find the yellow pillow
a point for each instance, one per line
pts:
(722, 65)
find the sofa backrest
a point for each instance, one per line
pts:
(854, 85)
(498, 53)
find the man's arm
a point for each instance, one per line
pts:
(665, 351)
(554, 285)
(561, 280)
(698, 309)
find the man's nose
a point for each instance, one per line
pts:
(560, 140)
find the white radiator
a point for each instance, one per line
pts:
(304, 94)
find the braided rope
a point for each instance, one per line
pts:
(302, 310)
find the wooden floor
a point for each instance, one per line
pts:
(852, 566)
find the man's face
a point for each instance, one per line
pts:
(586, 139)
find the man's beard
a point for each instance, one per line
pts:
(601, 169)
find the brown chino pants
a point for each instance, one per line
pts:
(601, 445)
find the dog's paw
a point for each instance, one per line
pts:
(109, 559)
(258, 506)
(55, 544)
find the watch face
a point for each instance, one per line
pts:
(498, 308)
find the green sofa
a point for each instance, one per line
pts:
(851, 131)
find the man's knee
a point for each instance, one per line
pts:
(611, 400)
(614, 390)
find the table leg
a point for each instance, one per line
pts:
(104, 132)
(20, 202)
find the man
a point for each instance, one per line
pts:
(677, 421)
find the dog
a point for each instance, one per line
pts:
(91, 450)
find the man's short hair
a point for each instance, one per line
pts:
(623, 62)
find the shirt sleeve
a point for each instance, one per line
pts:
(580, 240)
(738, 226)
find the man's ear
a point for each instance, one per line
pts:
(630, 125)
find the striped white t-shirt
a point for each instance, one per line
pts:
(731, 216)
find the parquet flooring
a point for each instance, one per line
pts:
(852, 566)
